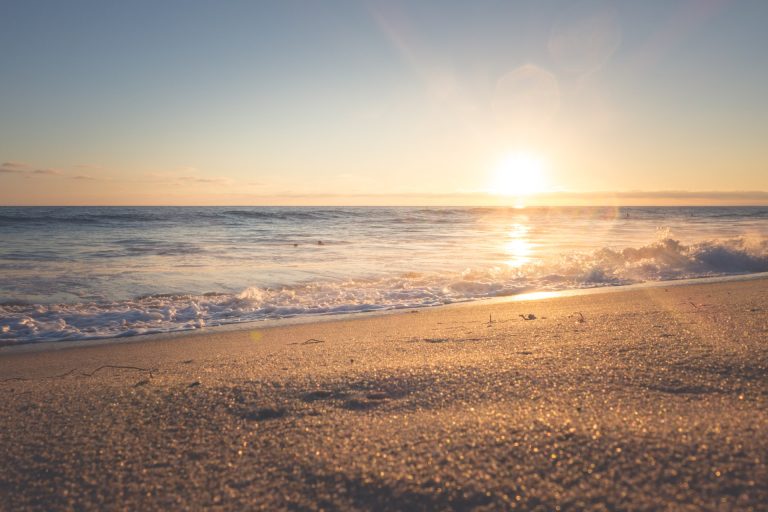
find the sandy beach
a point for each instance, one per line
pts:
(647, 399)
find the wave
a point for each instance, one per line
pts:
(107, 216)
(176, 215)
(69, 218)
(665, 259)
(277, 214)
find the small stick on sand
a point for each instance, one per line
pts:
(310, 341)
(116, 367)
(12, 379)
(86, 374)
(62, 375)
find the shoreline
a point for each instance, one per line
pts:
(34, 346)
(645, 399)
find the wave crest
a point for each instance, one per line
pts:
(664, 259)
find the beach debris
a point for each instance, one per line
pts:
(87, 374)
(320, 242)
(115, 367)
(446, 340)
(310, 341)
(529, 316)
(194, 384)
(142, 382)
(490, 319)
(580, 319)
(10, 379)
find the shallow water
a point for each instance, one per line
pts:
(76, 273)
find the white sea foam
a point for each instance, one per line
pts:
(664, 259)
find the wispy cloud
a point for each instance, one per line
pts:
(84, 177)
(201, 179)
(681, 195)
(172, 178)
(51, 172)
(21, 166)
(14, 167)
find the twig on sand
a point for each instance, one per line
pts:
(117, 367)
(529, 316)
(87, 374)
(62, 375)
(490, 319)
(581, 318)
(13, 378)
(310, 341)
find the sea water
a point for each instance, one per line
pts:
(92, 272)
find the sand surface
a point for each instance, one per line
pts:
(648, 399)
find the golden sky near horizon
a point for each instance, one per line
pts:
(586, 102)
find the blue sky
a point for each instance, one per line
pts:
(240, 102)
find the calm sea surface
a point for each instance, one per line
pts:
(76, 273)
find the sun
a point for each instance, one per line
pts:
(519, 175)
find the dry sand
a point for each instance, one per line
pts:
(641, 400)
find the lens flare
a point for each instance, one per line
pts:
(519, 175)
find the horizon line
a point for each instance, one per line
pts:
(635, 198)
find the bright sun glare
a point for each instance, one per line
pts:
(519, 174)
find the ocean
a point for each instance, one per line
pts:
(72, 273)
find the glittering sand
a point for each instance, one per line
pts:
(645, 399)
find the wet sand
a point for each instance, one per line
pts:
(649, 399)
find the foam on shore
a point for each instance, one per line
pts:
(666, 259)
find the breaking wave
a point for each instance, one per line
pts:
(665, 259)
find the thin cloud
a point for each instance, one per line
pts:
(757, 195)
(83, 177)
(19, 166)
(172, 178)
(199, 179)
(12, 167)
(50, 172)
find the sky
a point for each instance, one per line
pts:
(383, 102)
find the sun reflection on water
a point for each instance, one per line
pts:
(518, 246)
